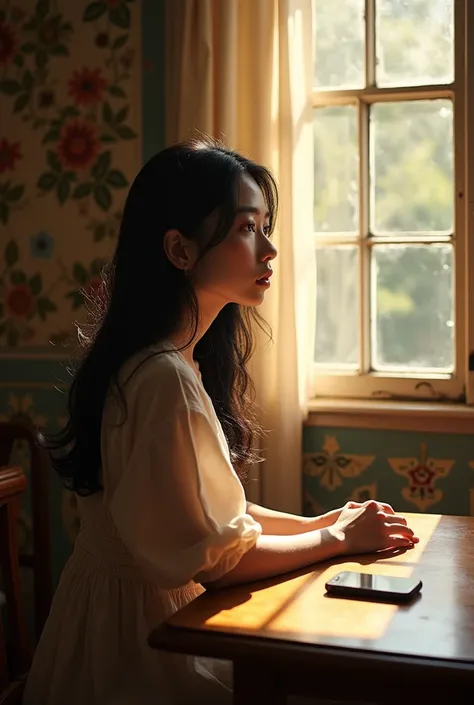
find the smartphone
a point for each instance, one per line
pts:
(384, 588)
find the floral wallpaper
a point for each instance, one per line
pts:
(69, 147)
(71, 75)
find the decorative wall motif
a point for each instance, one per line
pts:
(403, 472)
(69, 88)
(332, 467)
(422, 473)
(20, 407)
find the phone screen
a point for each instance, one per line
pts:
(374, 583)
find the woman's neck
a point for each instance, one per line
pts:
(183, 333)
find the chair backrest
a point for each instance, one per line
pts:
(40, 560)
(14, 657)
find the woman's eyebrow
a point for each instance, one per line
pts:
(251, 209)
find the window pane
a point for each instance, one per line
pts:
(414, 42)
(337, 306)
(336, 165)
(339, 35)
(412, 187)
(412, 307)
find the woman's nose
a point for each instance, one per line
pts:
(270, 251)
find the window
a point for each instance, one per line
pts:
(389, 200)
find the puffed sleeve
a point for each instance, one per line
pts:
(179, 506)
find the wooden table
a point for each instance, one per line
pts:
(286, 636)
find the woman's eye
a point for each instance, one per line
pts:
(249, 227)
(267, 230)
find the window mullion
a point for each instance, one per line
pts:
(370, 50)
(364, 228)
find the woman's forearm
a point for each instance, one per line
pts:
(275, 555)
(283, 524)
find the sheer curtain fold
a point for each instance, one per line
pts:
(242, 71)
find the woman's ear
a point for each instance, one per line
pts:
(181, 252)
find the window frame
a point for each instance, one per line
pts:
(435, 387)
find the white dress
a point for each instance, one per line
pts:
(172, 515)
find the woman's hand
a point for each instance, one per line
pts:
(331, 517)
(371, 526)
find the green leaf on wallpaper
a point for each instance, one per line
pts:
(79, 272)
(4, 212)
(21, 102)
(17, 277)
(108, 138)
(51, 136)
(76, 298)
(102, 196)
(11, 253)
(12, 337)
(107, 114)
(53, 161)
(47, 181)
(82, 190)
(19, 61)
(41, 59)
(116, 179)
(119, 42)
(125, 132)
(116, 91)
(3, 328)
(63, 190)
(28, 80)
(14, 193)
(99, 169)
(120, 16)
(10, 87)
(122, 114)
(60, 50)
(42, 8)
(93, 11)
(45, 306)
(36, 284)
(28, 48)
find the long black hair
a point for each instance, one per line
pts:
(142, 299)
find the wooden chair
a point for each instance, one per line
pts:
(14, 659)
(40, 560)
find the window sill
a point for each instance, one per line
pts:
(422, 417)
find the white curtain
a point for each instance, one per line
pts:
(241, 70)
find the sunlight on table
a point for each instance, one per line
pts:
(299, 605)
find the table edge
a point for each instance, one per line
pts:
(231, 646)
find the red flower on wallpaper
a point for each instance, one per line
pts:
(78, 145)
(19, 301)
(87, 86)
(9, 155)
(7, 43)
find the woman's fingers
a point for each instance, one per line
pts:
(387, 508)
(395, 519)
(396, 529)
(400, 541)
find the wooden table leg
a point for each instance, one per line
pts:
(255, 684)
